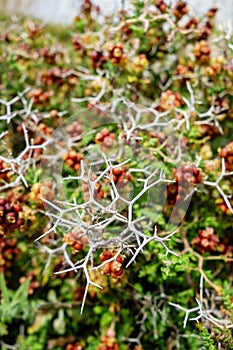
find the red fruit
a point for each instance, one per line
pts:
(117, 171)
(70, 162)
(99, 137)
(116, 266)
(77, 246)
(76, 167)
(161, 5)
(95, 56)
(114, 178)
(120, 259)
(105, 132)
(117, 274)
(2, 201)
(71, 154)
(17, 207)
(105, 255)
(99, 194)
(107, 268)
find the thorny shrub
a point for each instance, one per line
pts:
(117, 160)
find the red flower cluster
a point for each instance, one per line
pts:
(5, 171)
(170, 100)
(185, 71)
(161, 5)
(73, 159)
(75, 240)
(98, 191)
(208, 242)
(76, 346)
(116, 54)
(180, 9)
(205, 30)
(221, 204)
(202, 52)
(10, 216)
(113, 268)
(188, 174)
(40, 97)
(208, 130)
(227, 153)
(98, 59)
(44, 189)
(74, 129)
(50, 56)
(108, 341)
(105, 138)
(42, 132)
(215, 67)
(58, 76)
(191, 24)
(121, 176)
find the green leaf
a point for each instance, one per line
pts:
(136, 29)
(5, 292)
(14, 304)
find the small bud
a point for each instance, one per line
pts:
(11, 217)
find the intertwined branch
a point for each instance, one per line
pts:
(20, 164)
(207, 309)
(96, 220)
(9, 106)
